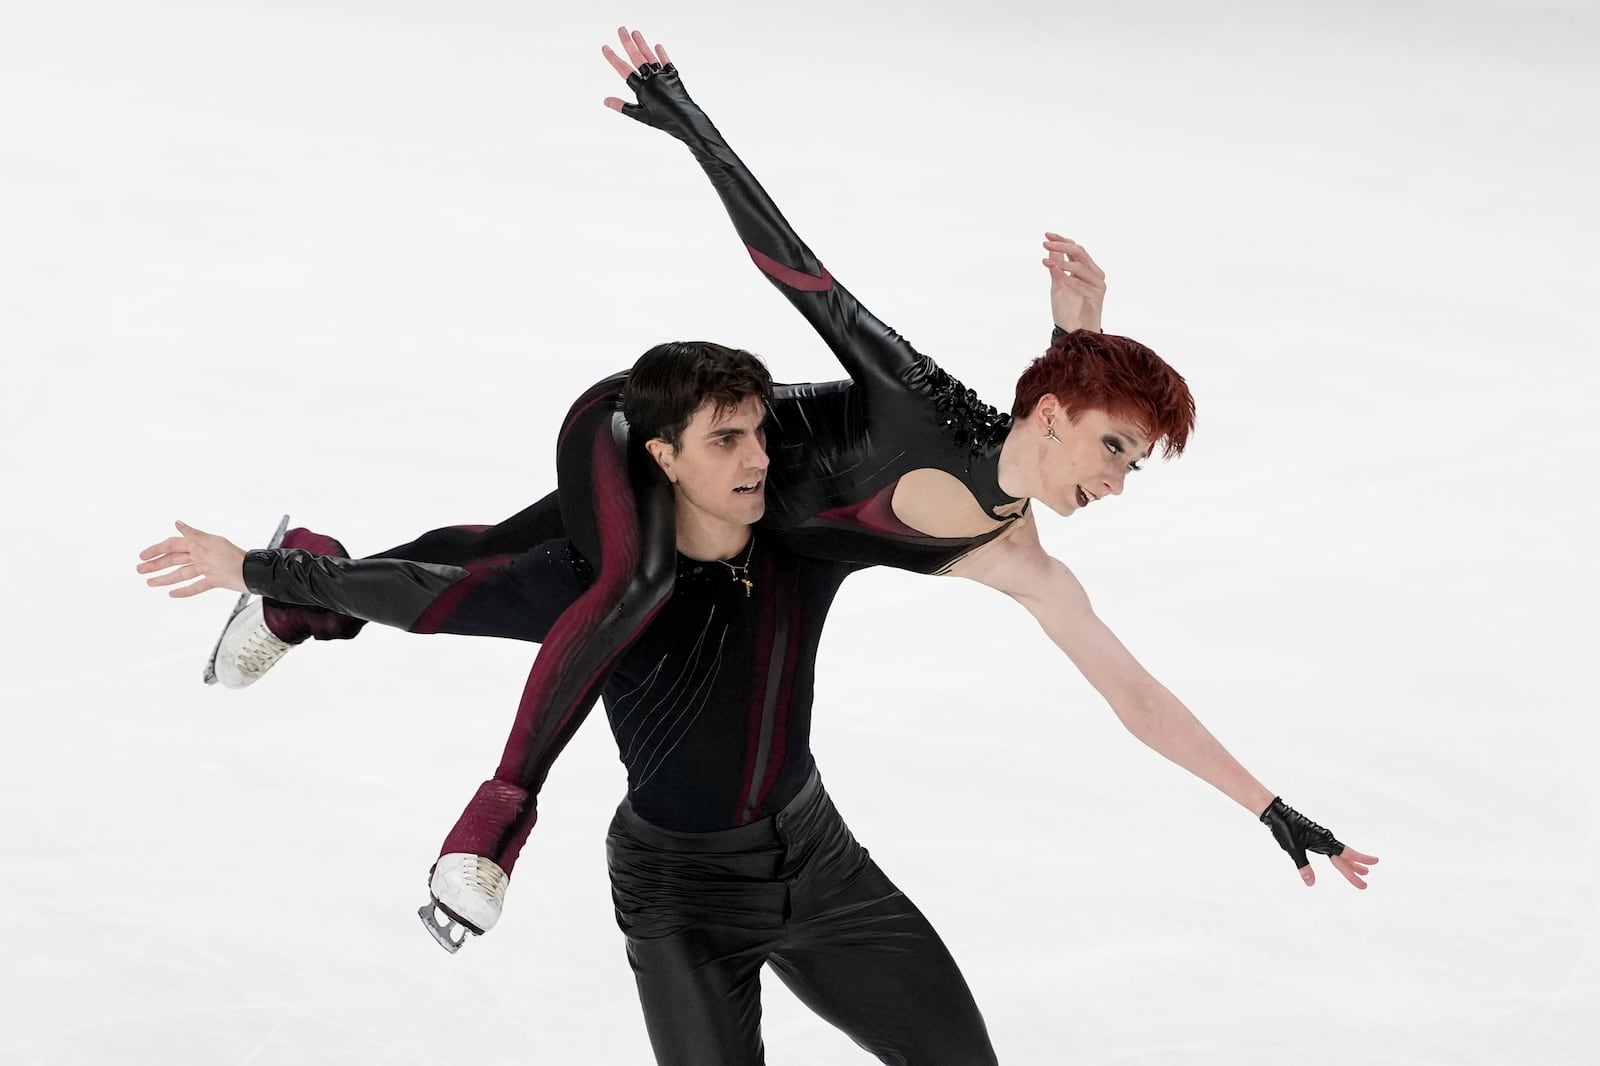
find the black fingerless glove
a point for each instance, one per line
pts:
(1297, 834)
(665, 105)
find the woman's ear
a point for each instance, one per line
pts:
(1048, 409)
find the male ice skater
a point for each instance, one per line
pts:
(727, 853)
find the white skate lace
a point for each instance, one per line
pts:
(259, 652)
(484, 877)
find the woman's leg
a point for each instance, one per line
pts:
(618, 511)
(450, 546)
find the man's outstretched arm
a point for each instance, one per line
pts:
(517, 598)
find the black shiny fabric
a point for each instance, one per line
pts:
(703, 912)
(838, 444)
(389, 592)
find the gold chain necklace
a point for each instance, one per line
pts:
(741, 571)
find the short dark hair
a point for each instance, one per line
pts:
(669, 383)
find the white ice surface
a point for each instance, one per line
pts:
(352, 259)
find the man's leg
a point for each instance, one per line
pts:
(700, 989)
(862, 956)
(699, 926)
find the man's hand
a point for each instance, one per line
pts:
(1077, 284)
(1297, 834)
(205, 560)
(641, 57)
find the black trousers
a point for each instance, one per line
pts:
(703, 912)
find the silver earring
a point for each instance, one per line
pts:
(1050, 433)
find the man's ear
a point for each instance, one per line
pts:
(663, 453)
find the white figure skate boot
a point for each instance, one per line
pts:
(468, 892)
(247, 650)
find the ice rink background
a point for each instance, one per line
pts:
(352, 258)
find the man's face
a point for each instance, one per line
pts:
(720, 468)
(1092, 460)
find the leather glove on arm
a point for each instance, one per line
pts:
(666, 105)
(1297, 834)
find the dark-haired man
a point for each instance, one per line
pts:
(726, 854)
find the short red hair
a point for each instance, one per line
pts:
(1084, 370)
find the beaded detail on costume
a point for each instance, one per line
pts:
(973, 424)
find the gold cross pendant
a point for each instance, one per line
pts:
(747, 586)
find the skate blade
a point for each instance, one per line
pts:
(209, 676)
(451, 932)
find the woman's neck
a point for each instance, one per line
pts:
(1018, 459)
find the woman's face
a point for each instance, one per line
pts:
(1086, 458)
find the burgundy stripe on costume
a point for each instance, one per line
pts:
(569, 640)
(316, 543)
(788, 601)
(875, 513)
(578, 412)
(509, 845)
(439, 611)
(766, 626)
(494, 806)
(576, 656)
(789, 276)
